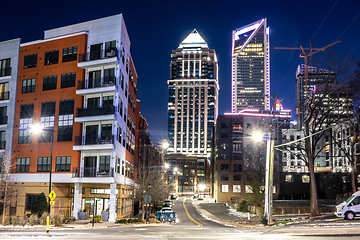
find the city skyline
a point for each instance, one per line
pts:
(154, 31)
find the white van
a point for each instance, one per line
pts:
(350, 208)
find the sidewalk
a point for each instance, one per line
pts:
(225, 215)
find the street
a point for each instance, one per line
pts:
(191, 225)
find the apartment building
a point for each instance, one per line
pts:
(79, 83)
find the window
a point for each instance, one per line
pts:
(224, 136)
(110, 49)
(3, 115)
(43, 164)
(237, 177)
(47, 121)
(68, 80)
(51, 57)
(5, 69)
(104, 164)
(224, 156)
(248, 189)
(69, 54)
(96, 51)
(224, 167)
(30, 61)
(224, 177)
(237, 168)
(305, 179)
(66, 117)
(289, 178)
(22, 164)
(26, 114)
(224, 125)
(2, 140)
(30, 199)
(224, 188)
(236, 188)
(224, 146)
(121, 108)
(63, 164)
(49, 82)
(236, 147)
(4, 91)
(28, 86)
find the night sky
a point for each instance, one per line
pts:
(157, 27)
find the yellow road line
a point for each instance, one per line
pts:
(187, 213)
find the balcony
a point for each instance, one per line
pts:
(4, 95)
(95, 114)
(4, 72)
(98, 58)
(93, 142)
(91, 175)
(107, 84)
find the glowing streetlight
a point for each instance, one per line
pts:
(167, 166)
(202, 187)
(257, 136)
(36, 128)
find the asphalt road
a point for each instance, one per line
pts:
(190, 225)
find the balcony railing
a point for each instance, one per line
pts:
(3, 119)
(88, 112)
(93, 140)
(5, 72)
(91, 172)
(4, 95)
(97, 83)
(98, 55)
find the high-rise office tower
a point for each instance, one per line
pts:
(250, 67)
(315, 77)
(193, 96)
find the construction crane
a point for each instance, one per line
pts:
(305, 56)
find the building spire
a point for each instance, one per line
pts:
(194, 39)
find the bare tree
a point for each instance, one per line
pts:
(7, 184)
(151, 177)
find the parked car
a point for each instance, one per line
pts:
(168, 202)
(173, 197)
(350, 208)
(166, 209)
(167, 205)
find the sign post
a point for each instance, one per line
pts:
(52, 196)
(147, 199)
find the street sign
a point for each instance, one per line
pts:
(52, 202)
(97, 199)
(52, 195)
(147, 198)
(87, 201)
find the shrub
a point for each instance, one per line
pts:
(16, 220)
(8, 221)
(263, 220)
(33, 219)
(243, 207)
(40, 205)
(123, 220)
(67, 220)
(200, 199)
(42, 219)
(97, 219)
(131, 220)
(57, 220)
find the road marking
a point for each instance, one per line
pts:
(187, 213)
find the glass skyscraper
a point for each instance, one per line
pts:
(193, 96)
(250, 67)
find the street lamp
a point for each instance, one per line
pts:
(37, 129)
(269, 166)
